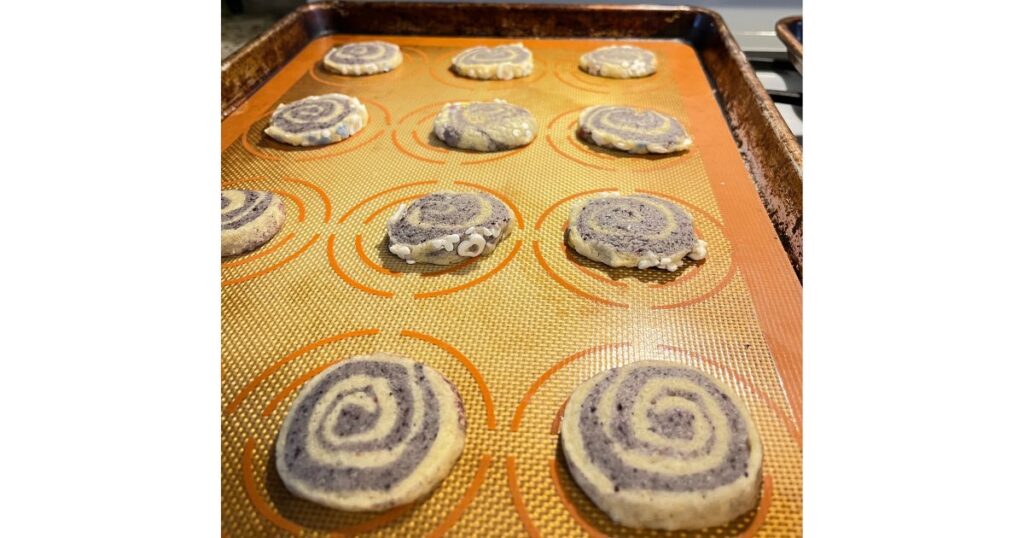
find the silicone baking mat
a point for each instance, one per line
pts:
(515, 331)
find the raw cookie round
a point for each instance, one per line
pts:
(370, 433)
(658, 445)
(623, 61)
(443, 228)
(485, 126)
(248, 219)
(633, 130)
(504, 62)
(636, 230)
(363, 58)
(317, 120)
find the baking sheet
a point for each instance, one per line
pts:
(515, 331)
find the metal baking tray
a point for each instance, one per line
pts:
(791, 31)
(515, 331)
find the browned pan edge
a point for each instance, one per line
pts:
(788, 38)
(772, 154)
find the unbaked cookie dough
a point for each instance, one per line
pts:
(633, 130)
(637, 230)
(248, 219)
(659, 445)
(363, 58)
(444, 228)
(317, 120)
(624, 61)
(485, 126)
(504, 62)
(371, 433)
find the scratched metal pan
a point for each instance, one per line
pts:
(791, 31)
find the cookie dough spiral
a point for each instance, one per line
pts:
(636, 230)
(485, 126)
(633, 130)
(448, 227)
(503, 62)
(363, 58)
(371, 433)
(656, 444)
(317, 120)
(248, 219)
(619, 62)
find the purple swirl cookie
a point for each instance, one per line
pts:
(633, 130)
(317, 120)
(248, 219)
(485, 126)
(503, 62)
(443, 228)
(637, 230)
(371, 433)
(659, 445)
(623, 61)
(363, 58)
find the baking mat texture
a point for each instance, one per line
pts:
(515, 331)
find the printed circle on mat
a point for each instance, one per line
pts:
(414, 137)
(257, 143)
(628, 287)
(360, 252)
(262, 404)
(543, 473)
(306, 204)
(563, 138)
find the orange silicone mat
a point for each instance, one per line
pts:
(515, 331)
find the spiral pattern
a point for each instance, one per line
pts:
(657, 444)
(317, 120)
(485, 126)
(371, 433)
(503, 62)
(363, 58)
(633, 130)
(248, 219)
(637, 230)
(619, 62)
(443, 228)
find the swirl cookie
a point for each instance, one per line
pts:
(364, 58)
(633, 130)
(443, 228)
(637, 230)
(659, 445)
(619, 62)
(485, 126)
(317, 120)
(370, 433)
(504, 62)
(248, 219)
